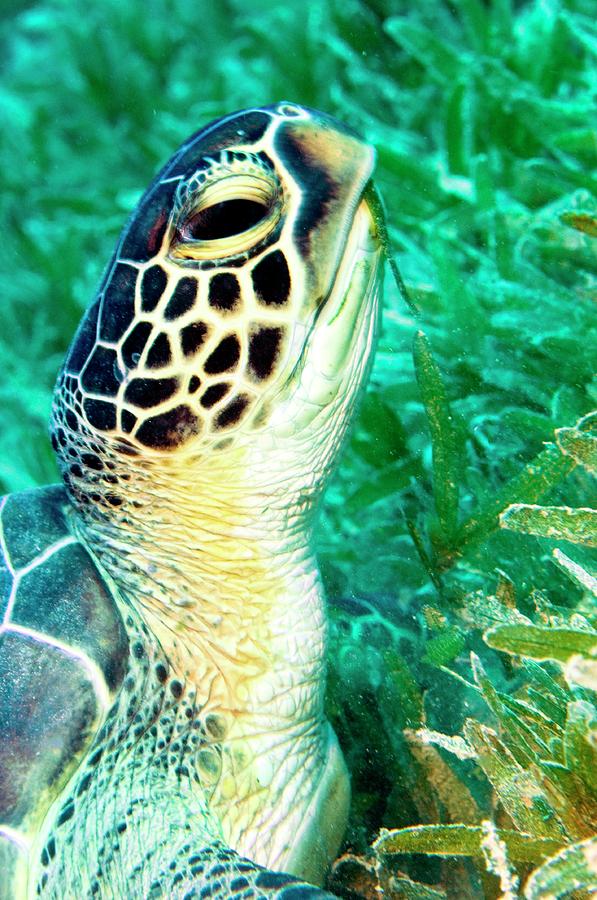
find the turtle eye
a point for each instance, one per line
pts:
(227, 217)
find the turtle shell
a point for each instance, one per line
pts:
(63, 656)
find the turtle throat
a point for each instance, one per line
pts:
(235, 603)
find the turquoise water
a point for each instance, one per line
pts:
(483, 119)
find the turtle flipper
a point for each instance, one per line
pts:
(63, 653)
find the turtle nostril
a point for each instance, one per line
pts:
(224, 219)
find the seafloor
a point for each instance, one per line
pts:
(484, 119)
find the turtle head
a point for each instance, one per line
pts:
(239, 308)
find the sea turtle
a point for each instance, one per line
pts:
(163, 631)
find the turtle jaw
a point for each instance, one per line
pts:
(314, 407)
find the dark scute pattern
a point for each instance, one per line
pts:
(215, 871)
(214, 393)
(219, 135)
(99, 374)
(176, 689)
(153, 286)
(268, 880)
(148, 392)
(40, 688)
(128, 421)
(160, 353)
(264, 347)
(271, 279)
(135, 344)
(233, 412)
(66, 813)
(92, 461)
(100, 415)
(194, 384)
(192, 337)
(148, 224)
(71, 420)
(168, 430)
(84, 340)
(32, 520)
(182, 299)
(118, 306)
(224, 291)
(318, 188)
(224, 357)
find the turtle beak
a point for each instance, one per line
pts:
(332, 167)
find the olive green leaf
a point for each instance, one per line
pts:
(575, 571)
(542, 643)
(540, 475)
(556, 522)
(443, 434)
(441, 649)
(580, 445)
(519, 788)
(426, 46)
(463, 840)
(584, 222)
(452, 793)
(526, 730)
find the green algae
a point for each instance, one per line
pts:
(483, 118)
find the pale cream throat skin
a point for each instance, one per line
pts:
(216, 554)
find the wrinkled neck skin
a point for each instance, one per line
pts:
(215, 556)
(220, 568)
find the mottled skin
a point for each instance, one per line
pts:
(175, 651)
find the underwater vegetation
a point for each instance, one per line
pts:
(457, 541)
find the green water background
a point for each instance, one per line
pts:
(483, 116)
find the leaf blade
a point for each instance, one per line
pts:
(462, 840)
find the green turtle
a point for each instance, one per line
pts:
(163, 632)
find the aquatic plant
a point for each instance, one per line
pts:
(458, 522)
